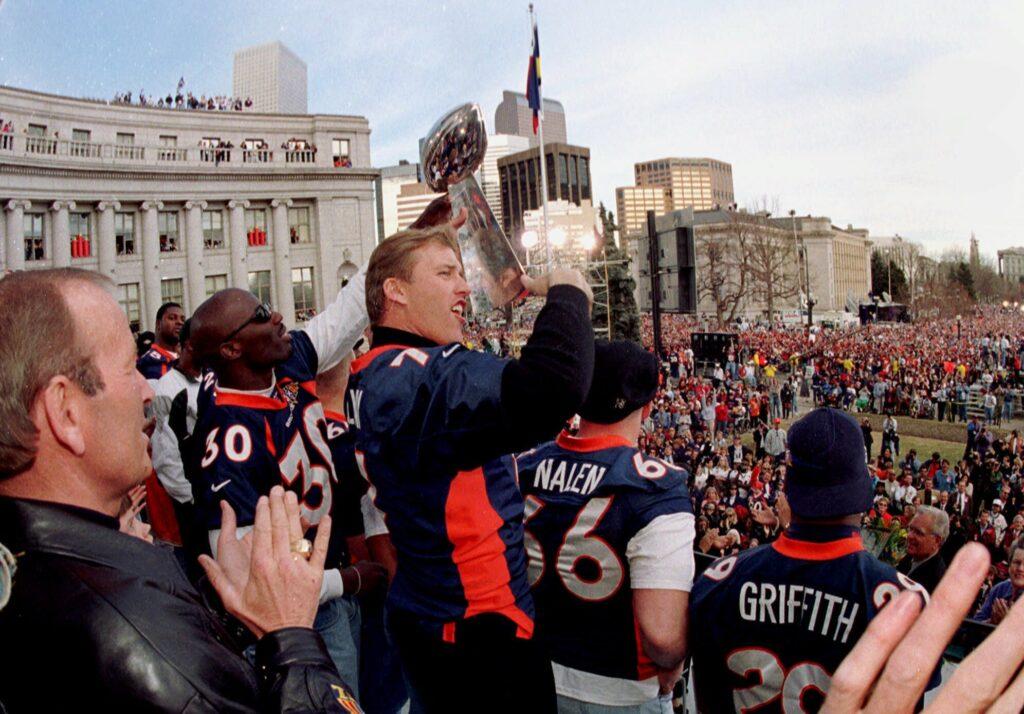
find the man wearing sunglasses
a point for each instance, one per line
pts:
(260, 424)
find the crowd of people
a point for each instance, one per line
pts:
(531, 506)
(722, 422)
(182, 99)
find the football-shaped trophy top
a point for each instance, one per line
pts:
(454, 147)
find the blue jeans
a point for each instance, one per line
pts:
(338, 622)
(659, 705)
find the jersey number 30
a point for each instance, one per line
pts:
(579, 544)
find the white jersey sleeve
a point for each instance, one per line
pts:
(335, 331)
(166, 453)
(373, 519)
(661, 554)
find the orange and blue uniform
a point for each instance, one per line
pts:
(429, 423)
(434, 425)
(154, 364)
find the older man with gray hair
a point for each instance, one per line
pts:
(926, 533)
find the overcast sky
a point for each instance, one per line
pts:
(900, 117)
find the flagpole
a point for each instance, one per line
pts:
(543, 162)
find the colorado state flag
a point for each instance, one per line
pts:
(533, 81)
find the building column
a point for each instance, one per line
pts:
(285, 298)
(194, 269)
(151, 292)
(61, 233)
(16, 233)
(327, 247)
(107, 245)
(239, 244)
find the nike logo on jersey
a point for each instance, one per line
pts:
(219, 486)
(448, 352)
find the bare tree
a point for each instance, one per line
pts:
(772, 261)
(723, 275)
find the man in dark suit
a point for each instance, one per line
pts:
(737, 451)
(925, 535)
(960, 502)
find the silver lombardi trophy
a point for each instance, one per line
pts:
(454, 148)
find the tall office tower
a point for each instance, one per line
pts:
(699, 183)
(498, 146)
(412, 199)
(273, 76)
(568, 174)
(632, 204)
(389, 185)
(514, 116)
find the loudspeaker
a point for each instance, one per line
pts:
(687, 270)
(712, 346)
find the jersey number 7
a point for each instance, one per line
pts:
(579, 543)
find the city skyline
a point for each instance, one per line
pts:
(899, 119)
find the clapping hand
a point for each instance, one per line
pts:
(263, 581)
(888, 669)
(763, 515)
(129, 520)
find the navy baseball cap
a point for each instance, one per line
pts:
(625, 379)
(828, 475)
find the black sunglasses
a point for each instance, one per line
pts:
(262, 314)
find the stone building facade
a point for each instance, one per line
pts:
(176, 204)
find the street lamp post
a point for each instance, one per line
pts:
(807, 272)
(958, 328)
(529, 239)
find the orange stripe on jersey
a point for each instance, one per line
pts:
(254, 401)
(336, 416)
(809, 550)
(645, 667)
(361, 363)
(594, 443)
(270, 438)
(167, 354)
(479, 553)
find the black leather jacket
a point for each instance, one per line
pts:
(108, 622)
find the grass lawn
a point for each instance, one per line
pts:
(952, 450)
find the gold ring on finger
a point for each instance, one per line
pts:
(303, 547)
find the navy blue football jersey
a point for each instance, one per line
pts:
(155, 363)
(430, 430)
(244, 444)
(769, 627)
(349, 489)
(586, 501)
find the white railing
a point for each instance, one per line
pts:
(300, 156)
(129, 152)
(40, 145)
(215, 154)
(257, 156)
(97, 153)
(85, 149)
(170, 153)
